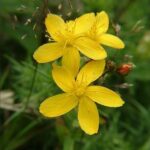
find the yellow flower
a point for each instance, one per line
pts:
(99, 29)
(79, 92)
(68, 36)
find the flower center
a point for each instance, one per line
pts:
(68, 34)
(70, 40)
(80, 91)
(93, 32)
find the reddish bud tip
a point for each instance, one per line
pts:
(124, 69)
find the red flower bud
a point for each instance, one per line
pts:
(124, 69)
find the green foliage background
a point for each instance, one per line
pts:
(22, 30)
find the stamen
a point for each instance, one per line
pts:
(74, 27)
(64, 47)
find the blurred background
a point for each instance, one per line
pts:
(25, 84)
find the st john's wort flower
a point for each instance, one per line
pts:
(99, 29)
(81, 94)
(68, 36)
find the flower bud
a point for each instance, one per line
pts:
(124, 69)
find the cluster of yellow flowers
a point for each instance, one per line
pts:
(85, 34)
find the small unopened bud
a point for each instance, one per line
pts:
(69, 14)
(59, 6)
(111, 65)
(23, 37)
(124, 85)
(128, 57)
(117, 28)
(124, 69)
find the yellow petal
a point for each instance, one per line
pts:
(111, 40)
(63, 78)
(102, 22)
(91, 71)
(88, 116)
(90, 48)
(48, 52)
(84, 23)
(58, 105)
(71, 60)
(104, 96)
(54, 24)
